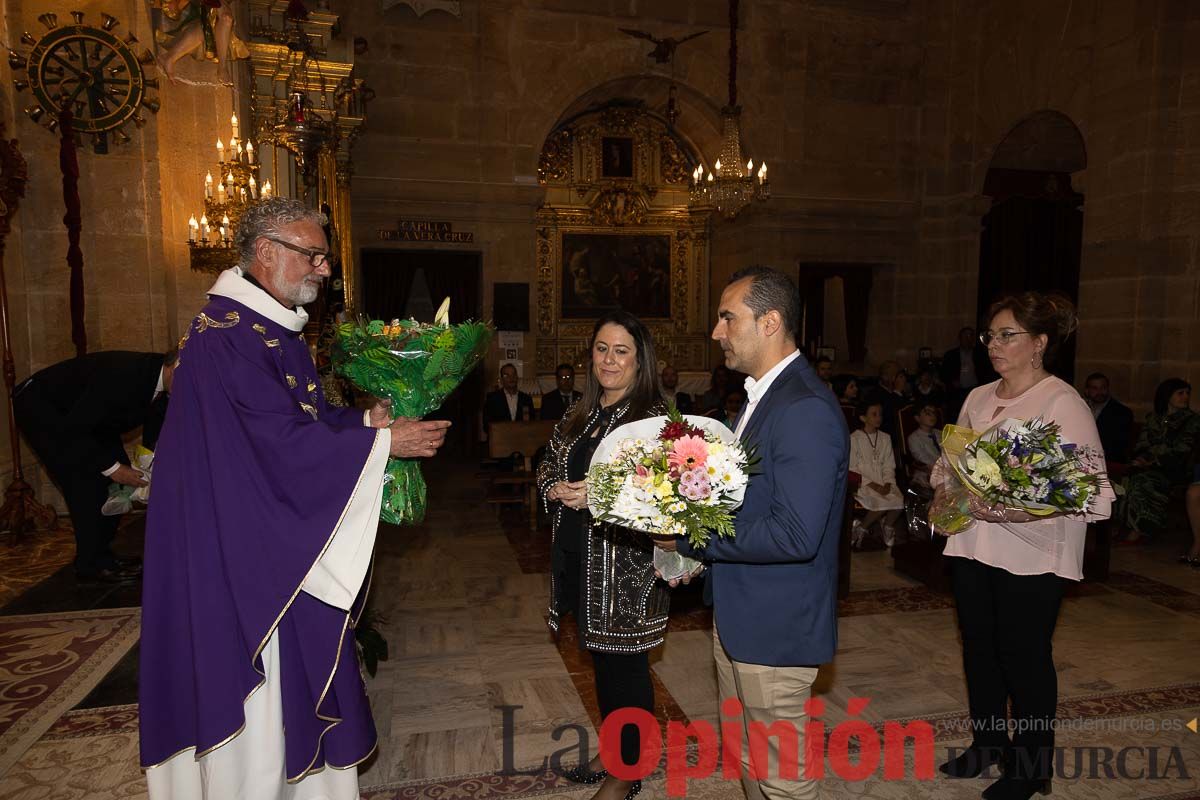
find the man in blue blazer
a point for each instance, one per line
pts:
(775, 583)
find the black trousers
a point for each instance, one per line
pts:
(622, 679)
(84, 489)
(1007, 622)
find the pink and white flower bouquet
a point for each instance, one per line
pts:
(670, 476)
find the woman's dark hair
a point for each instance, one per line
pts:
(646, 390)
(719, 369)
(840, 382)
(1162, 395)
(1049, 313)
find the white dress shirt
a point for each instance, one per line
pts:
(755, 389)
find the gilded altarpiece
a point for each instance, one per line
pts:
(615, 230)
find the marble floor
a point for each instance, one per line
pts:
(475, 693)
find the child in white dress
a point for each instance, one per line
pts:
(871, 457)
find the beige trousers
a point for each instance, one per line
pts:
(768, 695)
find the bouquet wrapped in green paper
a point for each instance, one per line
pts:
(416, 365)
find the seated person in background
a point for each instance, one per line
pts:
(556, 403)
(733, 406)
(711, 402)
(901, 388)
(670, 384)
(924, 444)
(1192, 556)
(927, 389)
(508, 403)
(845, 387)
(1114, 420)
(824, 368)
(887, 396)
(1163, 458)
(871, 456)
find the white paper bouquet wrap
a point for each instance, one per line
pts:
(670, 476)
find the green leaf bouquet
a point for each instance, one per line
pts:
(415, 365)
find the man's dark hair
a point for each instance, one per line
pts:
(823, 360)
(561, 367)
(508, 365)
(1096, 376)
(771, 290)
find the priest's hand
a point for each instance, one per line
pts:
(128, 475)
(414, 438)
(380, 414)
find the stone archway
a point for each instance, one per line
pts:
(1033, 232)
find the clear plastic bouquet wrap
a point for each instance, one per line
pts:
(670, 476)
(122, 497)
(1019, 465)
(415, 365)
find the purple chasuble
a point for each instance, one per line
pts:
(252, 476)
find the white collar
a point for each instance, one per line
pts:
(231, 284)
(755, 389)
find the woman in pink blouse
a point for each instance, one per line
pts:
(1008, 569)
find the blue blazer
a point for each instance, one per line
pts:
(774, 583)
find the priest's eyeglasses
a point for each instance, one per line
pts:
(1003, 337)
(315, 257)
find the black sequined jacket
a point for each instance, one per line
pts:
(623, 606)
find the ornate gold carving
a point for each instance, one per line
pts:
(291, 381)
(312, 387)
(204, 321)
(556, 162)
(672, 163)
(311, 411)
(259, 328)
(653, 200)
(619, 207)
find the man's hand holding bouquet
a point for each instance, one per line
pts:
(670, 476)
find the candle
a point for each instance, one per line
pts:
(750, 167)
(220, 193)
(762, 173)
(208, 186)
(717, 166)
(229, 179)
(203, 227)
(253, 188)
(242, 192)
(193, 226)
(234, 146)
(223, 237)
(266, 192)
(249, 152)
(233, 121)
(226, 228)
(220, 151)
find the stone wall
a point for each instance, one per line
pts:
(140, 292)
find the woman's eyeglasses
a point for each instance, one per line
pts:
(1004, 337)
(315, 257)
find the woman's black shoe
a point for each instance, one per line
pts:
(582, 774)
(1016, 788)
(972, 762)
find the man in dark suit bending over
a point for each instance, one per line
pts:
(73, 414)
(775, 582)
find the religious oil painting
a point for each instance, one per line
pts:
(616, 158)
(602, 271)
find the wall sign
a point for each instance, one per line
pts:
(424, 230)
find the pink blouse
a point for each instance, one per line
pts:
(1008, 545)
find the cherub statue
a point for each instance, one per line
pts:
(201, 27)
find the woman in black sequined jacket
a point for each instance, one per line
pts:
(603, 574)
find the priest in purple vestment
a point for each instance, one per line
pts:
(259, 541)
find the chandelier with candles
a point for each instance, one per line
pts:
(729, 186)
(210, 238)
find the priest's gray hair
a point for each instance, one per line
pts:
(267, 218)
